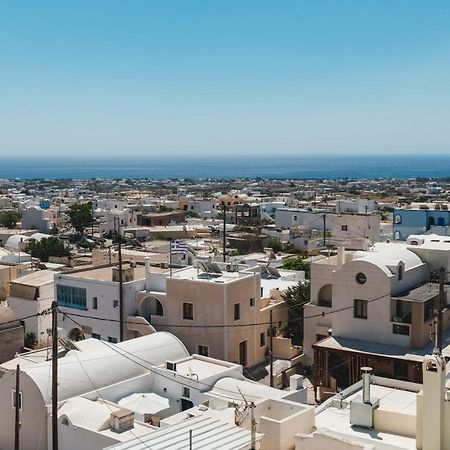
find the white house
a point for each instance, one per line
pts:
(30, 295)
(97, 377)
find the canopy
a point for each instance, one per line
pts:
(145, 403)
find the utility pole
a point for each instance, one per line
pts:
(54, 376)
(224, 243)
(17, 410)
(121, 305)
(253, 426)
(440, 311)
(324, 230)
(92, 223)
(271, 349)
(170, 257)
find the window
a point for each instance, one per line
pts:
(115, 303)
(262, 339)
(397, 236)
(295, 218)
(252, 302)
(186, 392)
(397, 219)
(237, 311)
(344, 228)
(398, 328)
(360, 309)
(203, 350)
(13, 391)
(96, 336)
(361, 278)
(71, 297)
(113, 340)
(94, 303)
(188, 311)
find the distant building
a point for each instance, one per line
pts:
(161, 219)
(420, 221)
(35, 218)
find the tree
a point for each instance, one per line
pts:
(295, 298)
(81, 216)
(9, 219)
(47, 247)
(298, 264)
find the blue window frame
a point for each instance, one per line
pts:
(71, 297)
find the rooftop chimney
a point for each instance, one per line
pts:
(366, 371)
(121, 420)
(362, 407)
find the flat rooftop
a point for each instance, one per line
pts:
(386, 350)
(105, 273)
(337, 419)
(418, 294)
(191, 273)
(201, 367)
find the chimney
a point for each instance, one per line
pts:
(295, 382)
(121, 420)
(362, 408)
(147, 274)
(366, 383)
(433, 397)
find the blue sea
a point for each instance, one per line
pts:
(283, 167)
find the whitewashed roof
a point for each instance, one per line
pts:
(80, 371)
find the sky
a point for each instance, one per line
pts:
(224, 77)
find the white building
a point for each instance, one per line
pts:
(30, 295)
(357, 206)
(95, 292)
(42, 220)
(96, 377)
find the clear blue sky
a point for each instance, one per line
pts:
(168, 77)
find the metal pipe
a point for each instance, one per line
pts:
(366, 371)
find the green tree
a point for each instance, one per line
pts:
(9, 219)
(47, 247)
(81, 215)
(296, 297)
(298, 264)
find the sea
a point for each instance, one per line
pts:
(267, 167)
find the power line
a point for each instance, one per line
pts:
(133, 358)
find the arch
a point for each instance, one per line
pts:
(325, 296)
(76, 334)
(151, 306)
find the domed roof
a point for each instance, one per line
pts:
(8, 318)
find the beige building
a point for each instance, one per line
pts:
(223, 315)
(373, 308)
